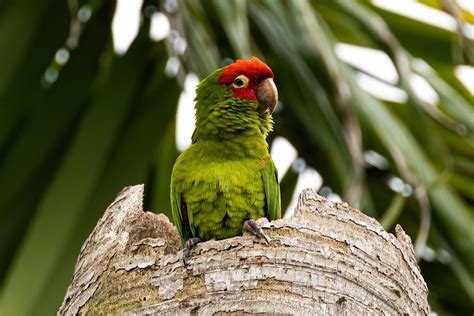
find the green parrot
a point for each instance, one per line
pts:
(226, 179)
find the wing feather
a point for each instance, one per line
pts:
(272, 189)
(176, 211)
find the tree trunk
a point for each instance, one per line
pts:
(326, 259)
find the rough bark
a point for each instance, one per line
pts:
(326, 259)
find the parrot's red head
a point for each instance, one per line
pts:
(251, 79)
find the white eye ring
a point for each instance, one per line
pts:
(241, 81)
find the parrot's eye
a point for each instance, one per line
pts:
(240, 81)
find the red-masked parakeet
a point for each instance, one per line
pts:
(226, 178)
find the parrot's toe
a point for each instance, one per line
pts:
(252, 227)
(190, 243)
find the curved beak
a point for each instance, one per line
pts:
(267, 96)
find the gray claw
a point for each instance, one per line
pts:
(252, 227)
(190, 243)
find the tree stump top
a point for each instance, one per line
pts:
(327, 259)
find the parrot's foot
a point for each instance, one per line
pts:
(190, 243)
(252, 227)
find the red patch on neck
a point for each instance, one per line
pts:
(255, 69)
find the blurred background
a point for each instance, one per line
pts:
(376, 109)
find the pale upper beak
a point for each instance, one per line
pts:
(267, 96)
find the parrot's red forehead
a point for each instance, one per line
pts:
(255, 69)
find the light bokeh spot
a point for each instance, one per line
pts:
(423, 89)
(372, 61)
(380, 89)
(125, 24)
(308, 178)
(283, 154)
(465, 74)
(160, 26)
(185, 116)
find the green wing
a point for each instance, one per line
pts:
(175, 198)
(183, 219)
(272, 189)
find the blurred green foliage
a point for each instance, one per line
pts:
(73, 135)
